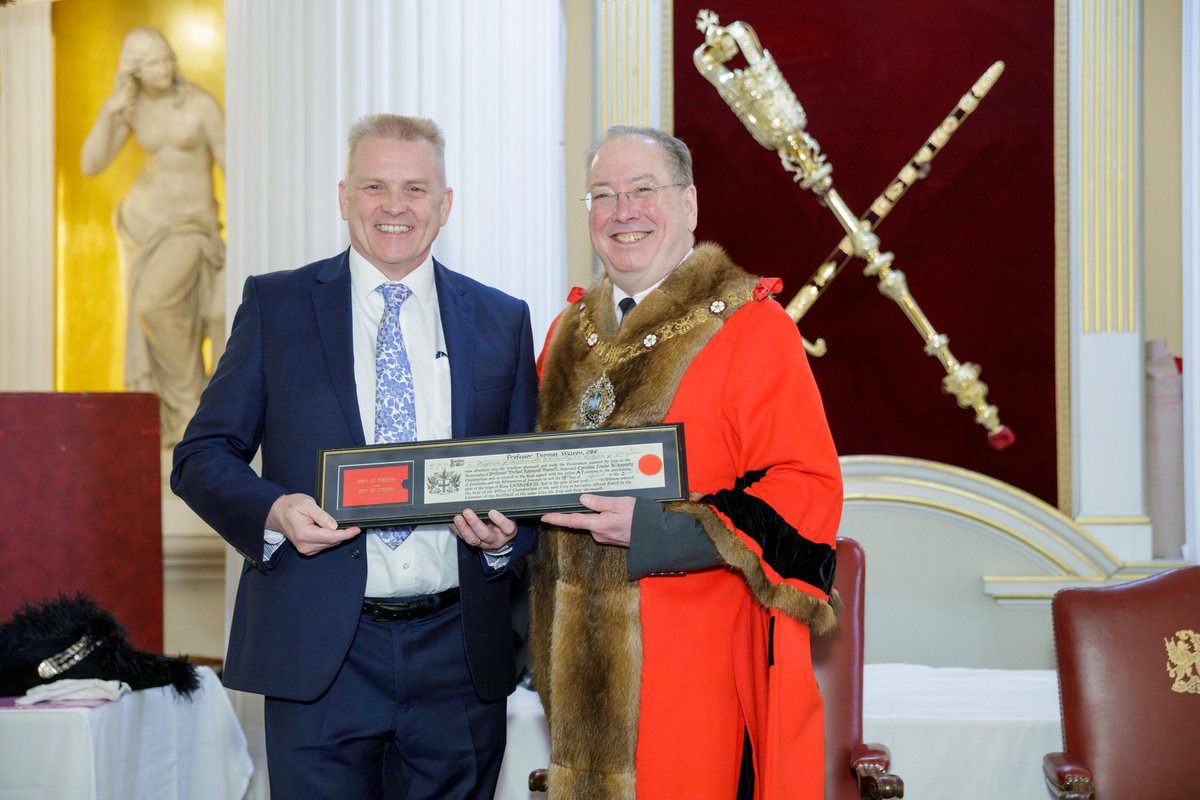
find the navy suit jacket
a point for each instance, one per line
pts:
(286, 384)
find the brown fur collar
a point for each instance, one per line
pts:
(645, 385)
(586, 640)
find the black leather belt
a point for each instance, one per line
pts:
(408, 609)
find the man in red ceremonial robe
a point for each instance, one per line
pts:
(670, 644)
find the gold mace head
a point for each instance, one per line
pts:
(758, 93)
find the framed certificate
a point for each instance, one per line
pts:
(523, 475)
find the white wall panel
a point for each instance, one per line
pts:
(26, 199)
(299, 73)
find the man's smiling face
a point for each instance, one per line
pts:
(395, 202)
(639, 244)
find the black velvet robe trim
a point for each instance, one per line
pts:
(787, 550)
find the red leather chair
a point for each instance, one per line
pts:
(853, 770)
(1129, 685)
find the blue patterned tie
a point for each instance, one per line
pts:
(395, 398)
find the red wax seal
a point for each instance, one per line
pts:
(650, 464)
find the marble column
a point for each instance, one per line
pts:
(1108, 486)
(26, 198)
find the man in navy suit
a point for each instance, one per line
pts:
(385, 664)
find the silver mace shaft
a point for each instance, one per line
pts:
(761, 98)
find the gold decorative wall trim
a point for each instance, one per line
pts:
(1108, 167)
(1014, 513)
(666, 60)
(880, 497)
(1113, 520)
(1062, 252)
(1001, 509)
(1064, 552)
(892, 463)
(626, 62)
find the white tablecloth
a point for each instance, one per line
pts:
(952, 731)
(955, 731)
(528, 746)
(149, 745)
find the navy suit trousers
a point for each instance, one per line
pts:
(401, 721)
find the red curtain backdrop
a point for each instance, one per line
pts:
(975, 239)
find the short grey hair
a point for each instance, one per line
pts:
(679, 158)
(395, 126)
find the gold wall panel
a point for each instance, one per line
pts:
(1109, 169)
(627, 47)
(89, 286)
(1062, 251)
(624, 62)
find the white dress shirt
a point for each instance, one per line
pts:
(427, 561)
(619, 294)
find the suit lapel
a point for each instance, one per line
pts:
(331, 301)
(458, 326)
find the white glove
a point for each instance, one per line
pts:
(74, 689)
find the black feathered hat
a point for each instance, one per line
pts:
(73, 637)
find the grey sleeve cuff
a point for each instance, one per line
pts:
(667, 543)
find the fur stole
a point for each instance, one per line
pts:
(586, 630)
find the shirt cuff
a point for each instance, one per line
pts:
(495, 560)
(272, 541)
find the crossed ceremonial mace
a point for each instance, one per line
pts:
(762, 99)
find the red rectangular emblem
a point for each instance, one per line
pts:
(376, 486)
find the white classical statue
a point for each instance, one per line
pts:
(171, 247)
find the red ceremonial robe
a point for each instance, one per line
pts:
(650, 685)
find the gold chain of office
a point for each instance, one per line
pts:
(611, 355)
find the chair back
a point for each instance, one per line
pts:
(1129, 683)
(838, 663)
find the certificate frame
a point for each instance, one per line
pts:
(418, 483)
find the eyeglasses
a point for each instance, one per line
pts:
(639, 196)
